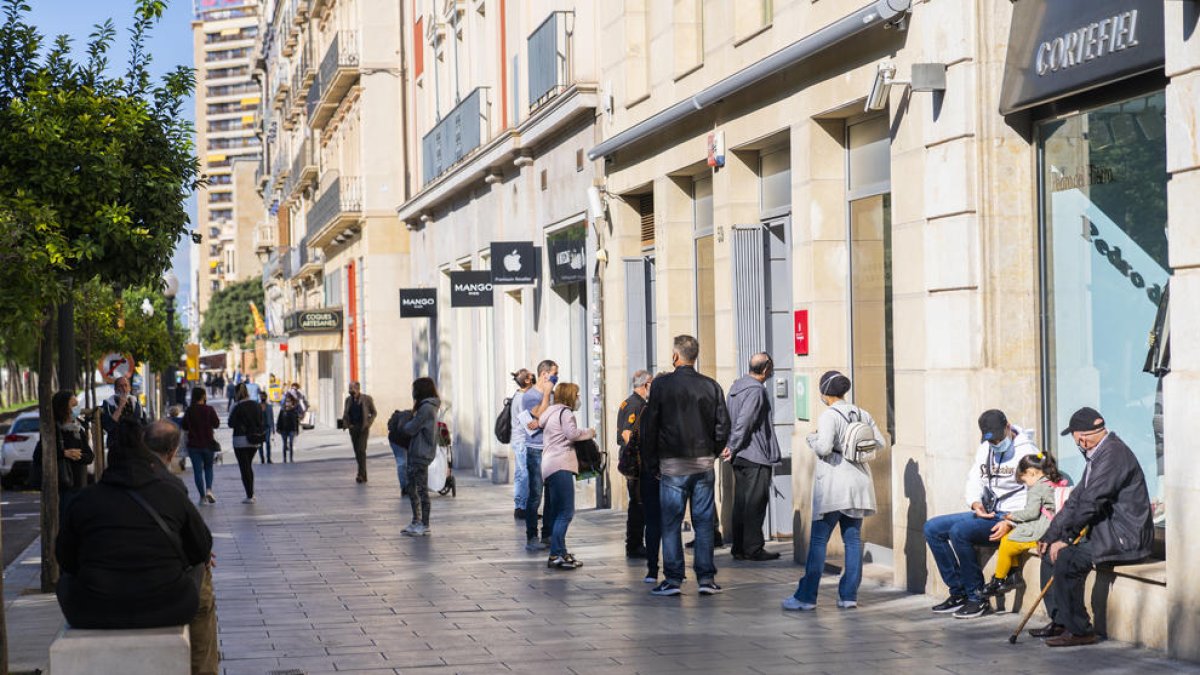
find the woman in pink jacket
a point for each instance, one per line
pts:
(559, 468)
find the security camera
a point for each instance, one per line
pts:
(197, 238)
(885, 76)
(595, 203)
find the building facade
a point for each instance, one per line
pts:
(227, 99)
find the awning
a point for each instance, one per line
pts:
(315, 342)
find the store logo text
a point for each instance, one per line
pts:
(1090, 42)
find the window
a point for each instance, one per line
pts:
(776, 185)
(688, 33)
(706, 280)
(751, 17)
(1103, 194)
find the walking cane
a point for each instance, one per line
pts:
(1012, 639)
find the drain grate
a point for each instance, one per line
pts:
(289, 671)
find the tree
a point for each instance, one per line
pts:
(228, 320)
(94, 171)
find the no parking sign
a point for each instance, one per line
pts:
(114, 365)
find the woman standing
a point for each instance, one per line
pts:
(422, 448)
(843, 494)
(524, 380)
(288, 424)
(559, 468)
(199, 422)
(74, 452)
(246, 420)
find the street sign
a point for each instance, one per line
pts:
(193, 362)
(114, 365)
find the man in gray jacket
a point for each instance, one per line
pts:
(753, 450)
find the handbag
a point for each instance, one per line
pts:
(587, 454)
(193, 572)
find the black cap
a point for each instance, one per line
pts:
(993, 425)
(1084, 419)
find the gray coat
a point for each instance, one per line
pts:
(1030, 523)
(423, 430)
(839, 484)
(751, 434)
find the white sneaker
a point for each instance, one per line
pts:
(423, 530)
(249, 500)
(847, 604)
(650, 580)
(411, 530)
(791, 604)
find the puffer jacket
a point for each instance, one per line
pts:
(422, 430)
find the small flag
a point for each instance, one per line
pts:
(260, 328)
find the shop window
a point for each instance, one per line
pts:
(775, 170)
(706, 289)
(1103, 194)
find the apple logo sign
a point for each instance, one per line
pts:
(512, 261)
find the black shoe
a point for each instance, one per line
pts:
(718, 541)
(1048, 631)
(570, 560)
(519, 514)
(709, 588)
(762, 556)
(638, 553)
(950, 604)
(998, 586)
(665, 588)
(690, 544)
(972, 609)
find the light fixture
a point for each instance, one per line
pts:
(925, 77)
(880, 88)
(170, 285)
(595, 203)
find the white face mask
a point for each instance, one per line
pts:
(1003, 447)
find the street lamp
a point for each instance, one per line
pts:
(170, 290)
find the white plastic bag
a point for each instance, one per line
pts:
(439, 469)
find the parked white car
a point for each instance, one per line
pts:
(16, 454)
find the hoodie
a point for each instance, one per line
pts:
(751, 432)
(1000, 472)
(422, 430)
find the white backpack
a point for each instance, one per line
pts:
(857, 442)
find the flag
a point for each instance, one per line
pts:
(259, 327)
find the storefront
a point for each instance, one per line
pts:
(315, 345)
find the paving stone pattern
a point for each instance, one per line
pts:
(317, 578)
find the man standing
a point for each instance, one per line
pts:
(116, 407)
(628, 443)
(684, 427)
(992, 490)
(1111, 501)
(533, 403)
(358, 414)
(753, 449)
(524, 381)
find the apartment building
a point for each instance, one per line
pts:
(224, 33)
(332, 172)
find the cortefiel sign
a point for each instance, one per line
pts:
(313, 321)
(418, 303)
(514, 263)
(1057, 48)
(471, 289)
(568, 261)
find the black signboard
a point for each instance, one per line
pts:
(471, 289)
(514, 263)
(568, 261)
(1057, 48)
(418, 303)
(313, 321)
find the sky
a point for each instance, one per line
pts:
(170, 46)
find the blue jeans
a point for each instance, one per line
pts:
(952, 539)
(401, 455)
(533, 467)
(266, 444)
(814, 567)
(202, 468)
(520, 475)
(675, 492)
(289, 445)
(560, 500)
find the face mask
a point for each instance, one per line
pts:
(1004, 446)
(553, 379)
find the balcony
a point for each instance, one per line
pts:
(280, 84)
(304, 170)
(459, 133)
(338, 208)
(339, 72)
(550, 58)
(307, 262)
(279, 169)
(265, 237)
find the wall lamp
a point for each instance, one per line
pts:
(925, 77)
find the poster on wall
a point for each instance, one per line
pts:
(418, 303)
(568, 261)
(514, 263)
(471, 289)
(802, 398)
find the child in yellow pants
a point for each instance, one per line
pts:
(1041, 475)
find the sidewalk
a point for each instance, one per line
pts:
(315, 578)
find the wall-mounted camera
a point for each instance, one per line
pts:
(197, 238)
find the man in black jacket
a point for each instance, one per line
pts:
(684, 427)
(1112, 502)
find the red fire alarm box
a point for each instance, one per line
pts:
(801, 332)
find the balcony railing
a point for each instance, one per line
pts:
(265, 236)
(279, 169)
(458, 134)
(338, 72)
(304, 169)
(550, 58)
(339, 203)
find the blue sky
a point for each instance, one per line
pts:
(170, 45)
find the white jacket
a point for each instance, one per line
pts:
(1003, 472)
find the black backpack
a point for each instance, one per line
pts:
(395, 427)
(504, 422)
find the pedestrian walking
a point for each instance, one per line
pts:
(534, 402)
(992, 490)
(358, 414)
(301, 402)
(268, 414)
(629, 415)
(246, 420)
(1041, 477)
(230, 394)
(524, 381)
(288, 425)
(843, 495)
(560, 466)
(684, 428)
(1112, 503)
(199, 421)
(753, 450)
(421, 430)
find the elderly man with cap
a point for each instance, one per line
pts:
(992, 490)
(1112, 504)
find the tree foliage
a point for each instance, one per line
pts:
(107, 322)
(228, 320)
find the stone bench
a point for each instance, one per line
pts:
(150, 651)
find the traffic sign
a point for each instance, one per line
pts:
(114, 365)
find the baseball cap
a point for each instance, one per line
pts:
(993, 425)
(1084, 419)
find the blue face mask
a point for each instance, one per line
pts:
(553, 379)
(1004, 446)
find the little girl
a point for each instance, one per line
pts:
(1040, 473)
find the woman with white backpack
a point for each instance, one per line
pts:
(843, 491)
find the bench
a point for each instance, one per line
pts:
(150, 651)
